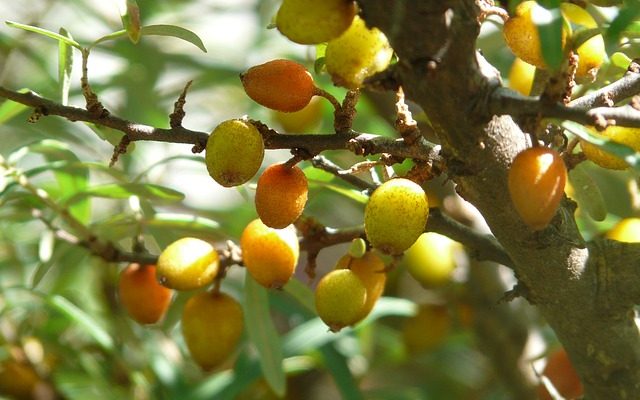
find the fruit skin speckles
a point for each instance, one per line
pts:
(281, 194)
(340, 299)
(536, 184)
(371, 270)
(281, 85)
(212, 324)
(187, 264)
(396, 215)
(234, 152)
(313, 21)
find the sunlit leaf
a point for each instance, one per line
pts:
(549, 23)
(175, 31)
(130, 15)
(65, 64)
(46, 33)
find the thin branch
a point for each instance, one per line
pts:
(623, 88)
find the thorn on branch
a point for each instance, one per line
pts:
(176, 117)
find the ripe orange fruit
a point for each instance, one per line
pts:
(340, 299)
(281, 85)
(371, 270)
(312, 21)
(188, 263)
(396, 215)
(270, 255)
(536, 184)
(281, 195)
(212, 324)
(562, 375)
(145, 300)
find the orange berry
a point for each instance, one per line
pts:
(536, 184)
(145, 300)
(270, 255)
(281, 194)
(371, 270)
(281, 85)
(212, 324)
(562, 375)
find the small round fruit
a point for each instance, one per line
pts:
(521, 76)
(187, 263)
(145, 300)
(212, 324)
(619, 134)
(312, 21)
(234, 153)
(562, 375)
(357, 54)
(536, 184)
(592, 52)
(431, 259)
(270, 255)
(340, 299)
(371, 270)
(627, 231)
(303, 121)
(427, 329)
(396, 215)
(281, 195)
(521, 35)
(281, 85)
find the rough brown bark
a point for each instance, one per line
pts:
(577, 286)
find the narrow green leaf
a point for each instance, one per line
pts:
(75, 314)
(620, 60)
(302, 293)
(125, 190)
(182, 221)
(45, 32)
(198, 159)
(549, 23)
(587, 193)
(336, 364)
(627, 14)
(174, 31)
(111, 36)
(130, 15)
(263, 335)
(10, 109)
(65, 63)
(352, 194)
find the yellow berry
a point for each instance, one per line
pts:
(234, 153)
(618, 134)
(340, 299)
(212, 324)
(592, 52)
(357, 54)
(521, 76)
(536, 183)
(312, 21)
(427, 329)
(187, 263)
(145, 300)
(281, 85)
(303, 121)
(371, 270)
(431, 259)
(626, 230)
(281, 195)
(270, 255)
(396, 215)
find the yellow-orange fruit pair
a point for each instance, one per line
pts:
(270, 255)
(212, 324)
(281, 195)
(234, 153)
(313, 21)
(281, 85)
(188, 263)
(562, 375)
(340, 298)
(145, 300)
(396, 215)
(536, 184)
(371, 270)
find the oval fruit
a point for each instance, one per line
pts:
(270, 255)
(303, 121)
(281, 85)
(212, 324)
(357, 54)
(145, 300)
(396, 215)
(562, 375)
(340, 299)
(281, 195)
(521, 76)
(592, 52)
(427, 329)
(619, 134)
(371, 270)
(234, 153)
(187, 263)
(536, 184)
(521, 35)
(626, 230)
(312, 21)
(431, 259)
